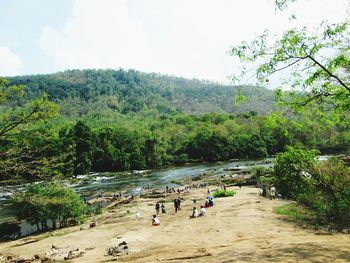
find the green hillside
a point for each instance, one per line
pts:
(81, 91)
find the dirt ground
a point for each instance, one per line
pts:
(243, 228)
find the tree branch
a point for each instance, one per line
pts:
(330, 73)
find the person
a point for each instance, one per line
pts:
(176, 205)
(210, 201)
(163, 209)
(224, 187)
(138, 215)
(157, 208)
(155, 221)
(203, 211)
(194, 213)
(208, 191)
(272, 192)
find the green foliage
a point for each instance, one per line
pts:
(15, 116)
(90, 92)
(19, 119)
(224, 193)
(322, 187)
(317, 63)
(331, 194)
(84, 148)
(293, 170)
(41, 202)
(106, 134)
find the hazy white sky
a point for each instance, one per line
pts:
(188, 38)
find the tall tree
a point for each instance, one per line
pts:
(17, 118)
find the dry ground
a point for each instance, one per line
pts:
(243, 228)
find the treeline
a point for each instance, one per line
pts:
(68, 148)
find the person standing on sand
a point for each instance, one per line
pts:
(163, 209)
(157, 207)
(138, 215)
(272, 192)
(176, 205)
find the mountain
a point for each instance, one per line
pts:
(128, 91)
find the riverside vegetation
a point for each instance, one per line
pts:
(57, 144)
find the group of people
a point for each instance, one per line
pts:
(177, 206)
(159, 207)
(268, 191)
(117, 195)
(195, 213)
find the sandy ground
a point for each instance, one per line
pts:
(243, 228)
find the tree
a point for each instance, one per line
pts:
(84, 148)
(17, 118)
(39, 203)
(293, 169)
(317, 64)
(15, 115)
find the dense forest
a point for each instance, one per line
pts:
(124, 120)
(81, 92)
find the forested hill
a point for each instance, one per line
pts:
(83, 91)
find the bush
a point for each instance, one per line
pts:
(223, 193)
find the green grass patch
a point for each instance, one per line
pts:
(223, 193)
(300, 215)
(173, 181)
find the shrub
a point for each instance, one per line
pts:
(223, 193)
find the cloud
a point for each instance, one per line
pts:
(100, 34)
(184, 37)
(10, 63)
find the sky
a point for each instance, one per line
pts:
(188, 38)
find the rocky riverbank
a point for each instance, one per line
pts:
(243, 228)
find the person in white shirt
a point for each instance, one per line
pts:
(194, 213)
(272, 192)
(203, 211)
(155, 221)
(138, 215)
